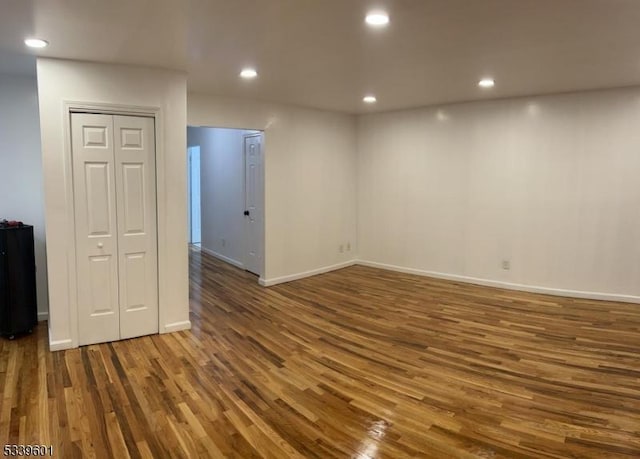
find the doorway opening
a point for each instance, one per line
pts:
(195, 219)
(226, 195)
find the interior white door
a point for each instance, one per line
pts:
(95, 228)
(136, 214)
(253, 203)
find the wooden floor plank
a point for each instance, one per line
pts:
(360, 363)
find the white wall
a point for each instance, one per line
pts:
(21, 195)
(310, 191)
(61, 81)
(222, 190)
(549, 183)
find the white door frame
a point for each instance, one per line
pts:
(161, 211)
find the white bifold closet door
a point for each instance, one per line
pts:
(115, 226)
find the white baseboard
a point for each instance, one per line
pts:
(506, 285)
(177, 326)
(42, 316)
(61, 345)
(302, 275)
(231, 261)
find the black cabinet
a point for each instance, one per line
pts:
(18, 304)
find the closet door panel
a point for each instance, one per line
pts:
(96, 229)
(136, 216)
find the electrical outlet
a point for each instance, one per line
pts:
(348, 246)
(506, 265)
(341, 248)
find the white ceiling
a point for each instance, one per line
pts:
(319, 53)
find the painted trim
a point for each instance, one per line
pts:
(61, 345)
(302, 275)
(42, 316)
(231, 261)
(177, 326)
(506, 285)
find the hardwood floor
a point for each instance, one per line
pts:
(356, 363)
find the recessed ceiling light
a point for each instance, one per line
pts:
(442, 115)
(248, 73)
(487, 83)
(369, 99)
(36, 43)
(377, 18)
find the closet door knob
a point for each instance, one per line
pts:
(100, 245)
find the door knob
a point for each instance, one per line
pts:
(100, 245)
